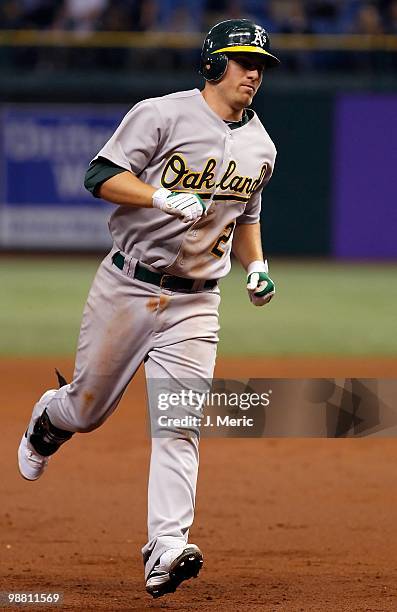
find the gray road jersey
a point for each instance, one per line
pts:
(178, 142)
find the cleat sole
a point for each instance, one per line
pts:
(184, 567)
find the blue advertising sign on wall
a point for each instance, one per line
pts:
(45, 152)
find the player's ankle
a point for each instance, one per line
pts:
(46, 438)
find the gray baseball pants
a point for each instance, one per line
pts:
(125, 322)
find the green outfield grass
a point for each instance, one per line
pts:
(320, 308)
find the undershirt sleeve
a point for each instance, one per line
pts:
(99, 171)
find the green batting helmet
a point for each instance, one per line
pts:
(233, 36)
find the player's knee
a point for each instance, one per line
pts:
(92, 410)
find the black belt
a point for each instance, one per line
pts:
(166, 281)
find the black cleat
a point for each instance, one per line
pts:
(186, 565)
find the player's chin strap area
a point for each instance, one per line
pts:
(165, 281)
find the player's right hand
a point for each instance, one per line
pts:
(187, 206)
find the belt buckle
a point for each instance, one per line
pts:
(163, 279)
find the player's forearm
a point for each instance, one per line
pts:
(247, 245)
(126, 189)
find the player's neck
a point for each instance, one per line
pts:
(221, 107)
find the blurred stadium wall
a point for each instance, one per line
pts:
(331, 110)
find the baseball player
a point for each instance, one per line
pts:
(186, 171)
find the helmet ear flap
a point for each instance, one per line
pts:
(213, 67)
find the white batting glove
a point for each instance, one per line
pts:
(187, 206)
(260, 286)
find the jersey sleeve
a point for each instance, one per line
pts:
(136, 139)
(252, 210)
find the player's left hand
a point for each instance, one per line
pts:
(260, 286)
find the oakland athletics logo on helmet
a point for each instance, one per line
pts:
(233, 36)
(260, 38)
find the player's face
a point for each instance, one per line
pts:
(242, 79)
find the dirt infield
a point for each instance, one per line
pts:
(285, 524)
